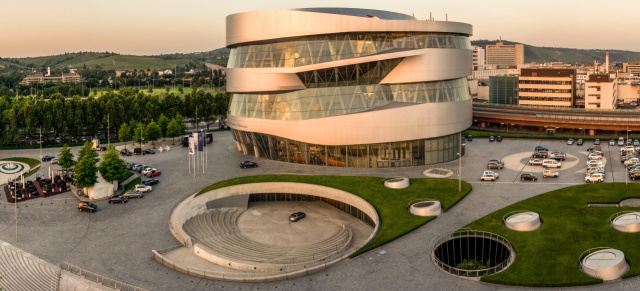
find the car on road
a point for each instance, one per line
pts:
(154, 173)
(550, 173)
(54, 161)
(580, 142)
(126, 152)
(594, 156)
(497, 161)
(535, 162)
(101, 149)
(149, 152)
(492, 138)
(489, 176)
(146, 170)
(150, 182)
(540, 155)
(570, 141)
(499, 138)
(133, 194)
(636, 142)
(87, 206)
(594, 148)
(248, 164)
(143, 188)
(560, 156)
(612, 142)
(621, 141)
(297, 216)
(47, 158)
(541, 149)
(469, 138)
(494, 165)
(118, 199)
(593, 163)
(528, 176)
(596, 177)
(596, 142)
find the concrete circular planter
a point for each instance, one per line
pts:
(397, 183)
(522, 220)
(603, 263)
(426, 208)
(625, 221)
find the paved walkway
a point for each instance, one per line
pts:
(117, 240)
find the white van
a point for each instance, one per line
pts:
(621, 141)
(549, 163)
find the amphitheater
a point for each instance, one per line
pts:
(243, 233)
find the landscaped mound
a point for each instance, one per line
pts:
(548, 256)
(391, 204)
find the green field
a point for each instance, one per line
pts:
(391, 204)
(132, 184)
(548, 257)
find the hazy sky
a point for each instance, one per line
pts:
(143, 27)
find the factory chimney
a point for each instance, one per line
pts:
(607, 63)
(48, 71)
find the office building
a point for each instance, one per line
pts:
(547, 87)
(503, 56)
(503, 90)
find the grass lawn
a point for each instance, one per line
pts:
(549, 256)
(391, 204)
(127, 175)
(29, 161)
(132, 184)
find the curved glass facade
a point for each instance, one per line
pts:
(317, 49)
(334, 101)
(380, 155)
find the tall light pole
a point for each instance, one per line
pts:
(460, 166)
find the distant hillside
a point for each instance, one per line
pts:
(567, 55)
(129, 62)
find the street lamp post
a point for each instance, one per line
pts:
(460, 165)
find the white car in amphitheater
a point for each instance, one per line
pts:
(597, 177)
(595, 156)
(594, 163)
(489, 176)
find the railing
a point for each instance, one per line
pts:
(102, 280)
(504, 218)
(617, 214)
(419, 200)
(584, 254)
(438, 241)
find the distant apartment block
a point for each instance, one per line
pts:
(631, 68)
(40, 79)
(503, 90)
(600, 92)
(547, 87)
(485, 74)
(478, 58)
(502, 55)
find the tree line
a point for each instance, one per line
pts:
(59, 117)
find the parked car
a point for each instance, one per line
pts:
(540, 155)
(551, 163)
(492, 138)
(146, 170)
(133, 194)
(612, 142)
(149, 152)
(559, 156)
(594, 148)
(138, 151)
(494, 165)
(248, 164)
(621, 141)
(535, 162)
(634, 176)
(580, 142)
(596, 177)
(469, 138)
(499, 138)
(87, 206)
(541, 149)
(596, 142)
(101, 149)
(138, 168)
(126, 152)
(570, 141)
(154, 173)
(550, 173)
(636, 142)
(631, 161)
(54, 161)
(489, 176)
(497, 161)
(297, 216)
(528, 176)
(627, 149)
(594, 156)
(143, 188)
(118, 199)
(150, 182)
(47, 158)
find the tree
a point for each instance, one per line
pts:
(86, 168)
(137, 132)
(112, 167)
(153, 132)
(174, 130)
(65, 159)
(180, 121)
(124, 134)
(163, 122)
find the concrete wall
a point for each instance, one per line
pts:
(73, 282)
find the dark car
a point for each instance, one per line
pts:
(634, 176)
(154, 173)
(528, 176)
(596, 142)
(138, 151)
(494, 165)
(87, 206)
(540, 155)
(492, 138)
(499, 138)
(248, 164)
(47, 158)
(118, 199)
(297, 216)
(541, 149)
(580, 142)
(150, 182)
(149, 152)
(126, 152)
(101, 149)
(594, 148)
(470, 138)
(185, 141)
(138, 168)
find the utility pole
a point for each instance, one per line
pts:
(460, 166)
(108, 131)
(40, 141)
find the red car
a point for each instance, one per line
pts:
(154, 173)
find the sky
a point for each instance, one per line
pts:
(151, 27)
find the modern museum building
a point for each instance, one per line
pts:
(347, 87)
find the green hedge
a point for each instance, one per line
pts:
(391, 204)
(476, 133)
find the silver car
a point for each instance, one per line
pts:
(133, 194)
